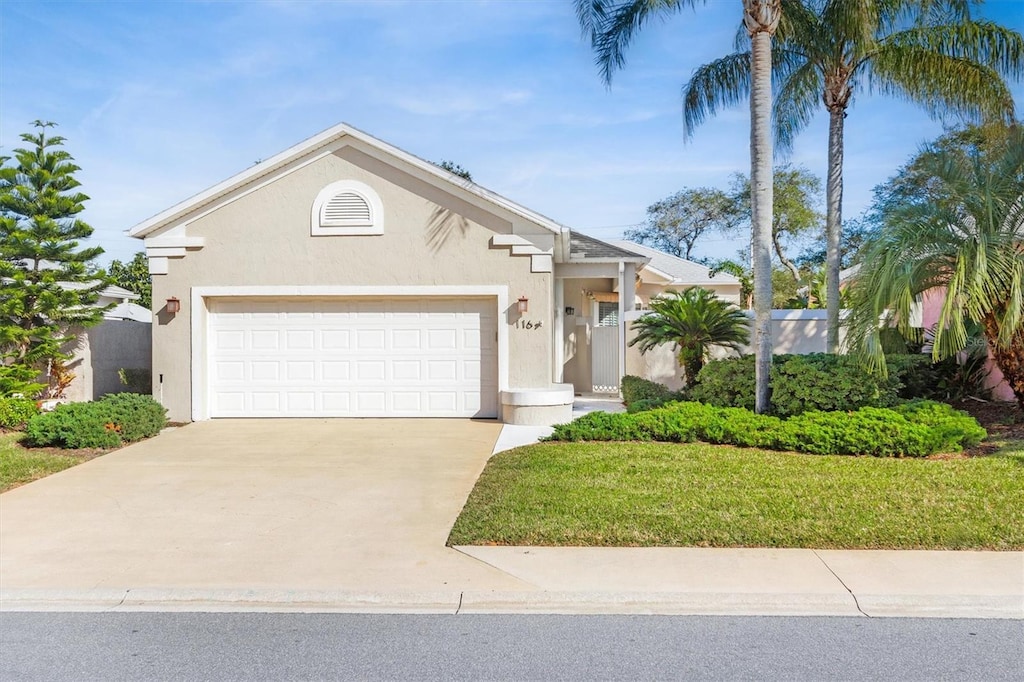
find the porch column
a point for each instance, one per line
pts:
(558, 343)
(627, 294)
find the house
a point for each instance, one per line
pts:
(120, 345)
(665, 272)
(345, 277)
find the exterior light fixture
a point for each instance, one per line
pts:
(173, 306)
(523, 304)
(570, 311)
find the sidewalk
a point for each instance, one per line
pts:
(554, 580)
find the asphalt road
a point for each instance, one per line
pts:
(256, 646)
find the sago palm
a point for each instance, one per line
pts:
(929, 52)
(611, 25)
(966, 240)
(693, 321)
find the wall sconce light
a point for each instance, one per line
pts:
(173, 306)
(570, 311)
(523, 305)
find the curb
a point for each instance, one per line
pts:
(521, 602)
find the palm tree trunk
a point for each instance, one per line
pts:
(833, 225)
(761, 17)
(1010, 361)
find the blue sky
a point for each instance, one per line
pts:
(160, 100)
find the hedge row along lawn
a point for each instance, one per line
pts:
(664, 494)
(20, 465)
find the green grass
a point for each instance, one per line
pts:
(19, 465)
(656, 494)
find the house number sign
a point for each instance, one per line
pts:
(527, 324)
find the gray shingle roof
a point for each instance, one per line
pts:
(585, 247)
(681, 271)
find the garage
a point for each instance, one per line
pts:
(352, 357)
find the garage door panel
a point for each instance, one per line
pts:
(383, 357)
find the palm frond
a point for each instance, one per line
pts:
(611, 26)
(940, 83)
(797, 100)
(722, 83)
(984, 42)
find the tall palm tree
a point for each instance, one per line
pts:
(966, 238)
(693, 321)
(611, 25)
(925, 51)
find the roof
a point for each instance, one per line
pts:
(129, 311)
(677, 270)
(113, 291)
(332, 137)
(583, 247)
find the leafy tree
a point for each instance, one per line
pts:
(676, 223)
(739, 270)
(693, 321)
(966, 238)
(794, 215)
(46, 284)
(925, 51)
(133, 276)
(611, 26)
(456, 169)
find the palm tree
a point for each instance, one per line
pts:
(611, 25)
(967, 238)
(693, 320)
(925, 51)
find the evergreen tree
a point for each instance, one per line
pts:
(47, 285)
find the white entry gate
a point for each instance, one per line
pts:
(605, 347)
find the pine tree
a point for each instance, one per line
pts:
(47, 281)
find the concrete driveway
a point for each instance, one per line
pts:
(332, 504)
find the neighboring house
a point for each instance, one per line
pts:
(665, 272)
(120, 344)
(345, 277)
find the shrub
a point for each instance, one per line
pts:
(14, 412)
(913, 430)
(799, 383)
(106, 423)
(726, 383)
(637, 388)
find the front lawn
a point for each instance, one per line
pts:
(20, 465)
(663, 494)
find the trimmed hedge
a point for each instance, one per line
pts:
(915, 429)
(15, 412)
(817, 381)
(110, 422)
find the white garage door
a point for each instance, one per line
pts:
(425, 357)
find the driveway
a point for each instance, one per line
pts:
(332, 504)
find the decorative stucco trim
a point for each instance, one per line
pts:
(199, 317)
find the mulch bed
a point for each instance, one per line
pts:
(1003, 421)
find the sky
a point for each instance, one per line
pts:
(161, 100)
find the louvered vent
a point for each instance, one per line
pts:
(347, 208)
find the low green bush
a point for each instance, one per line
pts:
(110, 422)
(915, 429)
(801, 383)
(637, 388)
(15, 412)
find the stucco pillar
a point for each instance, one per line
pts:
(558, 342)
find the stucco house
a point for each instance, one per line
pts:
(665, 272)
(345, 277)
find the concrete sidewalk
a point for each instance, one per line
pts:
(557, 580)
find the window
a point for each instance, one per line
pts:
(608, 314)
(347, 207)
